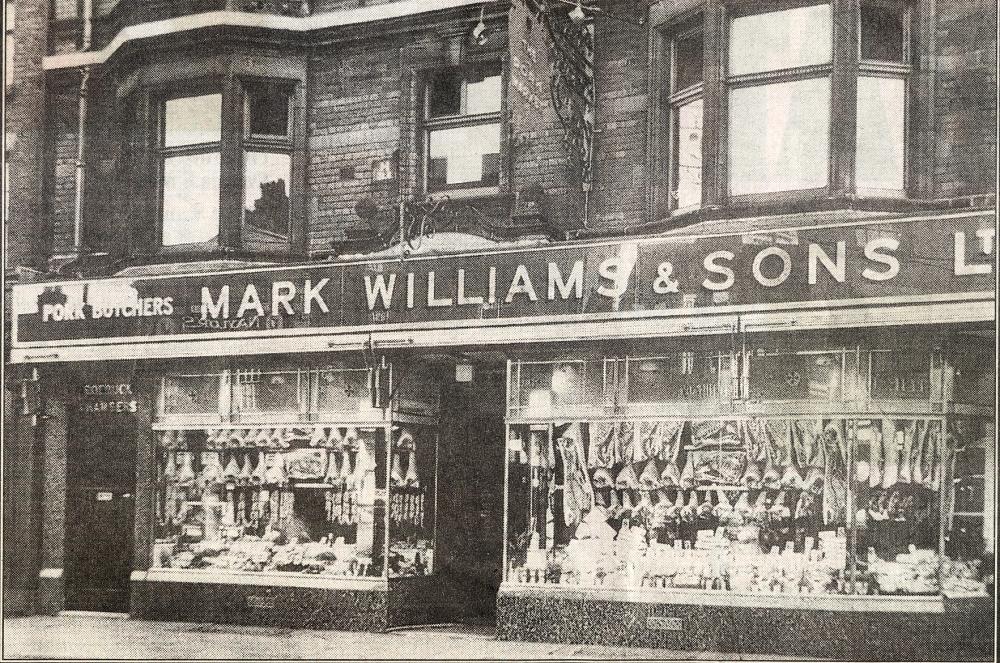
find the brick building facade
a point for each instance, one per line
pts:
(504, 124)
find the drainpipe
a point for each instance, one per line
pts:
(81, 145)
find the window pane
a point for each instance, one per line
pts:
(881, 32)
(779, 40)
(779, 136)
(192, 120)
(483, 96)
(687, 155)
(190, 198)
(689, 60)
(265, 191)
(880, 133)
(267, 106)
(465, 155)
(444, 93)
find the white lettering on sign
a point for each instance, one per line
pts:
(521, 285)
(765, 260)
(786, 266)
(874, 251)
(711, 265)
(987, 237)
(133, 308)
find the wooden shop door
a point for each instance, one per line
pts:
(100, 517)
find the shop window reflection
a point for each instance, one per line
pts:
(851, 497)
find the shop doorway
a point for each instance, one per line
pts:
(470, 491)
(100, 508)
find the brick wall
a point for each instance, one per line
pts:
(621, 73)
(63, 114)
(361, 110)
(353, 121)
(966, 137)
(25, 133)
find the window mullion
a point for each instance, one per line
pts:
(231, 163)
(844, 96)
(713, 123)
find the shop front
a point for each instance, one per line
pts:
(717, 440)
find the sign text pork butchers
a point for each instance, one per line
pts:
(817, 264)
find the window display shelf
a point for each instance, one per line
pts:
(274, 579)
(722, 598)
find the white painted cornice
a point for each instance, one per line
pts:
(216, 19)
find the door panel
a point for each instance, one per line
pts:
(99, 548)
(100, 516)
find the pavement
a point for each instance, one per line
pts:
(102, 636)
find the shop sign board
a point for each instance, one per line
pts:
(880, 262)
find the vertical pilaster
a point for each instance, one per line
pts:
(51, 585)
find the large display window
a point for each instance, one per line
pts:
(791, 466)
(296, 470)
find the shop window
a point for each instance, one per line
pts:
(687, 377)
(788, 148)
(462, 128)
(786, 500)
(771, 136)
(282, 392)
(195, 150)
(296, 474)
(192, 394)
(796, 375)
(901, 375)
(686, 115)
(411, 504)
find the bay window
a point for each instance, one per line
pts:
(225, 166)
(267, 164)
(777, 102)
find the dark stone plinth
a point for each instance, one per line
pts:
(292, 607)
(51, 595)
(963, 631)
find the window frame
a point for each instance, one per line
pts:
(843, 70)
(677, 99)
(163, 152)
(771, 77)
(234, 143)
(896, 71)
(266, 143)
(430, 124)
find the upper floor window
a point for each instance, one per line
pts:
(779, 68)
(200, 154)
(190, 149)
(880, 161)
(462, 124)
(686, 114)
(799, 99)
(267, 163)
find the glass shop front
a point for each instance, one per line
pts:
(292, 470)
(834, 471)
